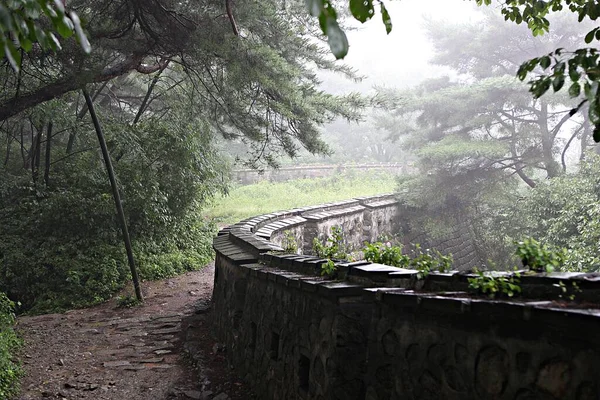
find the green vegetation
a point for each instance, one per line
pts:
(264, 197)
(289, 243)
(567, 293)
(538, 257)
(424, 261)
(189, 81)
(10, 371)
(495, 285)
(333, 249)
(386, 253)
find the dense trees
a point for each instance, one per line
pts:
(481, 139)
(166, 78)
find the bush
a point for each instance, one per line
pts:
(10, 371)
(61, 244)
(385, 253)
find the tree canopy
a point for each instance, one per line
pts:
(578, 69)
(166, 79)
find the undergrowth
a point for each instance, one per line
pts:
(10, 370)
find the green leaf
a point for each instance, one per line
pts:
(387, 21)
(597, 134)
(545, 62)
(81, 37)
(362, 10)
(12, 55)
(64, 26)
(338, 42)
(314, 7)
(590, 35)
(574, 89)
(558, 82)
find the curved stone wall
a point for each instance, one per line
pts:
(250, 176)
(380, 333)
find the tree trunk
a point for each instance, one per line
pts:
(145, 101)
(116, 195)
(552, 167)
(48, 149)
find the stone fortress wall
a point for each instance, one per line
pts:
(249, 176)
(377, 332)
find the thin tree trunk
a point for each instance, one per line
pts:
(80, 115)
(48, 149)
(9, 139)
(148, 93)
(116, 196)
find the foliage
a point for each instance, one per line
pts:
(538, 257)
(566, 292)
(385, 253)
(289, 243)
(426, 261)
(60, 243)
(22, 26)
(328, 268)
(494, 285)
(10, 370)
(563, 212)
(333, 248)
(581, 66)
(482, 141)
(127, 301)
(423, 261)
(264, 197)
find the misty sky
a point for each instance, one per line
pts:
(399, 59)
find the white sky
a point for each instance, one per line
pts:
(399, 59)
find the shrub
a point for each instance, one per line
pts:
(423, 261)
(492, 286)
(385, 253)
(539, 257)
(10, 370)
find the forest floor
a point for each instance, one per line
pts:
(163, 349)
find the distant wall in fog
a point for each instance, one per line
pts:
(249, 176)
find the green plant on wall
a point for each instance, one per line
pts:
(289, 243)
(386, 253)
(538, 257)
(566, 292)
(492, 286)
(426, 261)
(333, 248)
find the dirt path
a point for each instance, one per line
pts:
(161, 350)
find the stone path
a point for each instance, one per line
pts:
(161, 350)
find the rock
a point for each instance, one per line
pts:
(206, 394)
(193, 394)
(112, 364)
(221, 396)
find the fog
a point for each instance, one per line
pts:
(402, 58)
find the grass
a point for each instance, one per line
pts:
(265, 197)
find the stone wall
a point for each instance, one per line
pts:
(378, 332)
(249, 176)
(454, 236)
